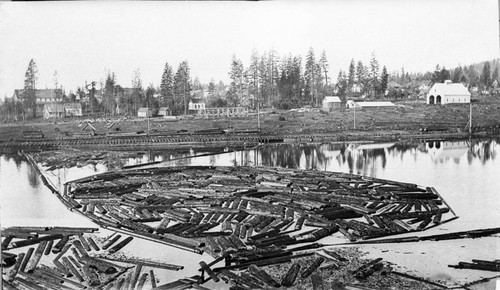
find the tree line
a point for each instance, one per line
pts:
(269, 80)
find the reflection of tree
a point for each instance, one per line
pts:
(18, 159)
(482, 150)
(32, 177)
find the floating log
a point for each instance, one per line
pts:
(120, 245)
(289, 279)
(209, 271)
(13, 272)
(263, 275)
(60, 245)
(26, 259)
(100, 265)
(111, 242)
(142, 281)
(93, 244)
(30, 267)
(418, 279)
(153, 278)
(72, 268)
(23, 243)
(494, 267)
(312, 267)
(144, 262)
(91, 276)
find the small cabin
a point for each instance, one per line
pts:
(54, 110)
(73, 109)
(144, 113)
(331, 103)
(164, 111)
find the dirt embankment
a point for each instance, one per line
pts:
(406, 117)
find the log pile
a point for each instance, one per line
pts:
(67, 258)
(222, 209)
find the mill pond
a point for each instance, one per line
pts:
(464, 172)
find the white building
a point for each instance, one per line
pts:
(196, 106)
(364, 105)
(144, 113)
(448, 93)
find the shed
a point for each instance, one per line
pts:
(165, 111)
(331, 103)
(447, 93)
(144, 113)
(53, 110)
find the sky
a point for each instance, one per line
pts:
(83, 40)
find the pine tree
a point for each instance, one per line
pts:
(485, 78)
(361, 76)
(436, 75)
(137, 95)
(237, 86)
(384, 78)
(167, 87)
(253, 76)
(457, 74)
(310, 76)
(351, 77)
(182, 88)
(109, 93)
(323, 68)
(374, 75)
(30, 79)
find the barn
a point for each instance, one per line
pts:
(448, 93)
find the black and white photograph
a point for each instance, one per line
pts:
(326, 145)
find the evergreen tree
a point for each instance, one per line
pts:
(137, 94)
(109, 94)
(323, 68)
(374, 75)
(211, 88)
(485, 78)
(341, 88)
(457, 74)
(237, 86)
(182, 88)
(351, 77)
(361, 76)
(167, 87)
(444, 75)
(310, 76)
(436, 75)
(30, 79)
(384, 78)
(253, 74)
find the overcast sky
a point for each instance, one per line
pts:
(82, 40)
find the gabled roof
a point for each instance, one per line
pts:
(143, 109)
(75, 106)
(164, 108)
(41, 94)
(331, 99)
(449, 88)
(54, 107)
(375, 104)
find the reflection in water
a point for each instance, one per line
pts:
(365, 159)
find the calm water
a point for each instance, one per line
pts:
(466, 173)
